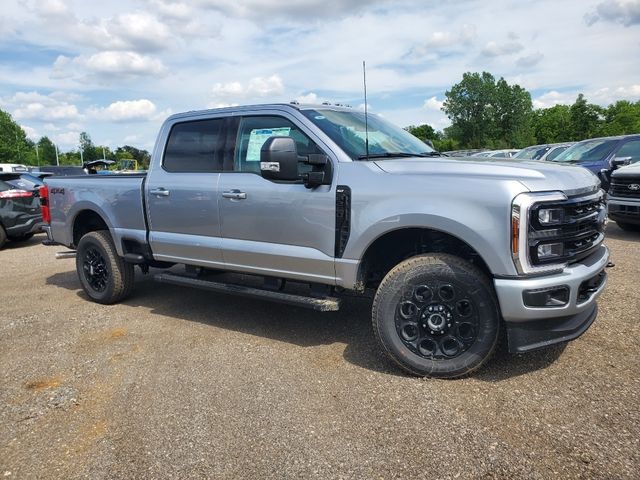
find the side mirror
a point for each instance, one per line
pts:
(279, 159)
(617, 162)
(603, 175)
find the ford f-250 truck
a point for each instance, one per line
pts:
(456, 249)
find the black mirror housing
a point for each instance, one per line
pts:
(279, 159)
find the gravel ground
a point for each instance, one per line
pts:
(180, 383)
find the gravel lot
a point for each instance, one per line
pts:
(180, 383)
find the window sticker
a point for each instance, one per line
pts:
(260, 135)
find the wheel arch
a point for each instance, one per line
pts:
(85, 221)
(393, 246)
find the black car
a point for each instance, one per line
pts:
(20, 216)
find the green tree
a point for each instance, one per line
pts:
(621, 118)
(585, 119)
(513, 112)
(142, 157)
(47, 151)
(14, 145)
(486, 113)
(469, 106)
(553, 124)
(89, 151)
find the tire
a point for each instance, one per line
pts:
(3, 236)
(105, 277)
(22, 238)
(629, 227)
(437, 315)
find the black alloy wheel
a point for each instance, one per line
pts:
(437, 315)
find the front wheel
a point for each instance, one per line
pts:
(629, 227)
(436, 315)
(105, 276)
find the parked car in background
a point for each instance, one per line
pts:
(624, 197)
(555, 149)
(63, 171)
(20, 215)
(597, 154)
(24, 181)
(13, 167)
(534, 152)
(504, 153)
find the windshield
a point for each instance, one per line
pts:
(555, 152)
(347, 129)
(532, 153)
(588, 151)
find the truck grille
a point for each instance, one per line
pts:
(579, 230)
(628, 187)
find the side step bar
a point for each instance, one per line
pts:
(325, 304)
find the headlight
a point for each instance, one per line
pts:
(550, 216)
(522, 218)
(548, 251)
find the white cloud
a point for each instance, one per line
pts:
(127, 110)
(140, 31)
(494, 49)
(110, 64)
(256, 87)
(35, 106)
(309, 98)
(32, 134)
(266, 9)
(552, 98)
(625, 12)
(433, 104)
(528, 61)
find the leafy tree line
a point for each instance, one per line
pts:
(486, 113)
(15, 147)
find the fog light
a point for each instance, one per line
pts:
(546, 297)
(550, 250)
(550, 216)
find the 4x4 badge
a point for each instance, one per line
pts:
(634, 186)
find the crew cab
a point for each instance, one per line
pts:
(456, 249)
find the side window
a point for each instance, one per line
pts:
(195, 147)
(254, 131)
(630, 149)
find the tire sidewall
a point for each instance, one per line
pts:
(476, 288)
(91, 241)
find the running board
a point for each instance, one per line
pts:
(325, 304)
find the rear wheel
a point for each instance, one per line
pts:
(436, 315)
(105, 276)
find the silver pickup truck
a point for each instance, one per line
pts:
(316, 200)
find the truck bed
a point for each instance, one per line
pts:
(117, 198)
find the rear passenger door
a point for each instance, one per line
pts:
(182, 194)
(271, 228)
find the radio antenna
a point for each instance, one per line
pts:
(366, 116)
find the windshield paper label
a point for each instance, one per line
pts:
(259, 136)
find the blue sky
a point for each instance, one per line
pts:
(116, 69)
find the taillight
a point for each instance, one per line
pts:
(15, 193)
(44, 203)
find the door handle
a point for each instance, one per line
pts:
(234, 194)
(161, 192)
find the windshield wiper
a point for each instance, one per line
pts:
(399, 155)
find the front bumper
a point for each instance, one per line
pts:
(624, 210)
(530, 328)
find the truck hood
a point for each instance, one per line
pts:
(631, 170)
(534, 175)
